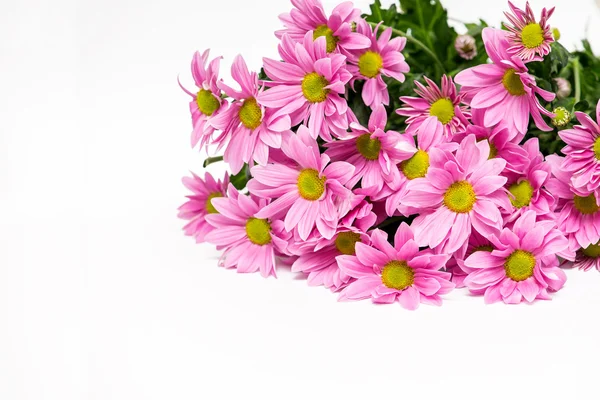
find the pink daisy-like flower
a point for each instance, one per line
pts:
(373, 151)
(462, 192)
(456, 265)
(320, 264)
(504, 90)
(311, 193)
(402, 272)
(588, 258)
(250, 243)
(583, 153)
(199, 203)
(206, 103)
(440, 105)
(578, 217)
(309, 15)
(529, 40)
(307, 86)
(249, 129)
(524, 264)
(382, 58)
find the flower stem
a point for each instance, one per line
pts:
(417, 42)
(577, 75)
(211, 160)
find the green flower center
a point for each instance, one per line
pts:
(323, 30)
(512, 83)
(367, 147)
(532, 35)
(593, 251)
(313, 87)
(561, 118)
(460, 197)
(556, 33)
(586, 205)
(207, 102)
(209, 205)
(597, 148)
(519, 265)
(397, 275)
(310, 185)
(416, 166)
(345, 242)
(258, 231)
(523, 191)
(250, 113)
(370, 63)
(443, 109)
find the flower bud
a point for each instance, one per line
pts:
(465, 46)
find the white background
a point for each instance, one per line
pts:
(101, 295)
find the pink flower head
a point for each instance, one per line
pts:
(528, 39)
(523, 265)
(442, 106)
(583, 153)
(402, 272)
(307, 86)
(250, 243)
(320, 264)
(199, 203)
(309, 16)
(578, 217)
(504, 90)
(588, 258)
(458, 194)
(382, 58)
(249, 129)
(373, 151)
(312, 192)
(526, 187)
(206, 103)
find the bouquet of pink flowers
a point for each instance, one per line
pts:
(386, 157)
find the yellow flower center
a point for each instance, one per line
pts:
(443, 109)
(519, 265)
(367, 147)
(310, 185)
(416, 166)
(532, 35)
(370, 63)
(258, 231)
(345, 242)
(597, 148)
(562, 116)
(207, 102)
(586, 205)
(209, 206)
(250, 113)
(523, 191)
(593, 250)
(460, 197)
(323, 30)
(313, 87)
(397, 275)
(512, 83)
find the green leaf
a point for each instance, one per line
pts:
(240, 179)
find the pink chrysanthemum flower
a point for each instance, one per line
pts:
(440, 105)
(578, 217)
(250, 243)
(307, 86)
(588, 258)
(529, 40)
(311, 193)
(206, 103)
(583, 153)
(402, 272)
(458, 194)
(373, 151)
(249, 129)
(456, 265)
(309, 15)
(382, 58)
(199, 203)
(524, 264)
(320, 263)
(526, 187)
(504, 90)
